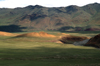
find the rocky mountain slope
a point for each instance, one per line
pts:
(71, 18)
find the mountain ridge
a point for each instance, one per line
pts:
(56, 18)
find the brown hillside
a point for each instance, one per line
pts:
(7, 34)
(92, 29)
(95, 41)
(35, 34)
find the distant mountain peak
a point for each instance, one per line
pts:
(73, 6)
(30, 6)
(95, 3)
(36, 6)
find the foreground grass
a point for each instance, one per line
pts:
(28, 51)
(50, 62)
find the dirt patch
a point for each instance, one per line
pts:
(95, 41)
(35, 34)
(7, 34)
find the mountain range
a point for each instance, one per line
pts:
(70, 18)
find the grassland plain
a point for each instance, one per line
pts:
(35, 51)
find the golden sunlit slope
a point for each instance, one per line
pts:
(7, 34)
(35, 34)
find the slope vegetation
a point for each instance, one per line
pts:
(56, 18)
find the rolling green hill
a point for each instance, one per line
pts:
(71, 18)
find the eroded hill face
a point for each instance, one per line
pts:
(94, 41)
(60, 18)
(72, 39)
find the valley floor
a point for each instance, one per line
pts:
(35, 51)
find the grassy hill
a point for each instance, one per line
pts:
(56, 18)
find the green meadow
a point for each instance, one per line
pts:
(39, 51)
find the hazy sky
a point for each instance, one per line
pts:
(47, 3)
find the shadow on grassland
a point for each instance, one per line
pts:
(50, 53)
(11, 28)
(44, 55)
